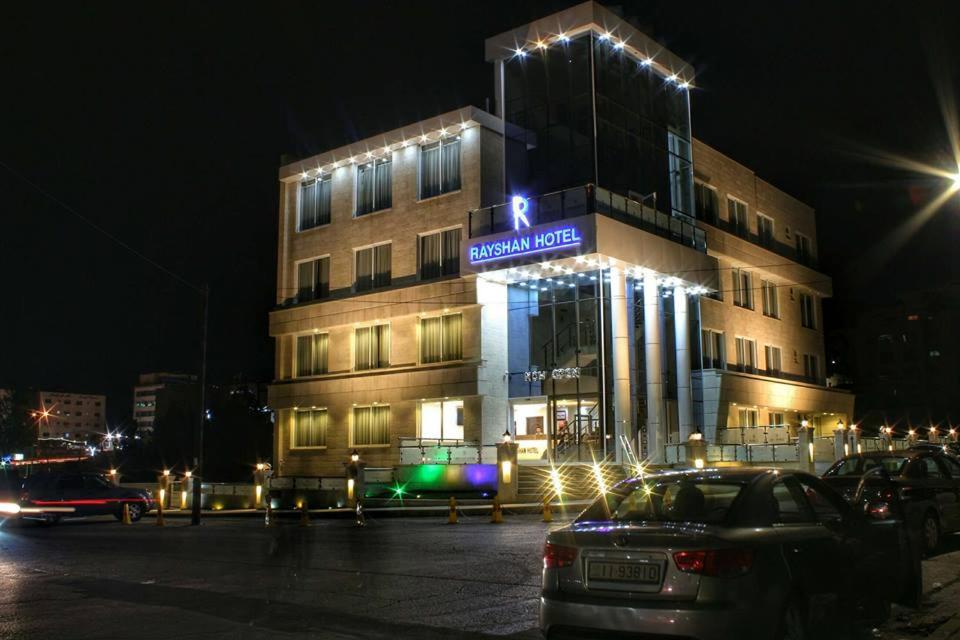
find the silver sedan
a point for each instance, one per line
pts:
(724, 553)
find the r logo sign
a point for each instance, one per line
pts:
(519, 205)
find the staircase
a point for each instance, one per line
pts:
(577, 479)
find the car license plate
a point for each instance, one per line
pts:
(645, 572)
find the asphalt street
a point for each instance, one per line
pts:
(233, 578)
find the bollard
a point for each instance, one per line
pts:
(268, 519)
(547, 511)
(160, 513)
(496, 517)
(304, 514)
(361, 519)
(452, 518)
(126, 514)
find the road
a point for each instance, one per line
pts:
(233, 578)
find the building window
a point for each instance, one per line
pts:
(309, 428)
(706, 202)
(314, 203)
(776, 419)
(439, 168)
(774, 360)
(371, 425)
(747, 355)
(804, 254)
(441, 338)
(312, 353)
(748, 417)
(737, 215)
(765, 230)
(441, 420)
(771, 300)
(440, 254)
(374, 190)
(372, 267)
(811, 367)
(742, 288)
(313, 279)
(372, 347)
(808, 311)
(714, 355)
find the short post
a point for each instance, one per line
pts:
(496, 516)
(507, 485)
(805, 448)
(355, 472)
(452, 518)
(186, 488)
(163, 488)
(547, 511)
(259, 479)
(840, 446)
(268, 519)
(912, 437)
(854, 439)
(887, 435)
(952, 433)
(304, 514)
(695, 450)
(361, 519)
(114, 477)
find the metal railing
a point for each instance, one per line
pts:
(588, 199)
(438, 451)
(771, 244)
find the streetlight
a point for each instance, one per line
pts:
(506, 436)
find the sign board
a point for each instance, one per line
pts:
(564, 373)
(523, 244)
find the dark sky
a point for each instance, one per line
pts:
(164, 124)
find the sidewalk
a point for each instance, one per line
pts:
(939, 616)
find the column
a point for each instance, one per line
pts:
(681, 327)
(620, 356)
(651, 343)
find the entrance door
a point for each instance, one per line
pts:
(576, 429)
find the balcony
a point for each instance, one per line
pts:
(768, 243)
(585, 200)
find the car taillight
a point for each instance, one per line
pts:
(556, 556)
(716, 563)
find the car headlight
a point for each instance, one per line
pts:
(9, 508)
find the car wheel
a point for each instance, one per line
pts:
(930, 529)
(793, 623)
(135, 509)
(50, 519)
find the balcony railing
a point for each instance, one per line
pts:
(771, 244)
(581, 201)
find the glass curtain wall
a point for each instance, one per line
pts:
(586, 112)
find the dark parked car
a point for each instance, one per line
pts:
(725, 553)
(926, 479)
(49, 496)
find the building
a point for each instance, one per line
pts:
(908, 359)
(80, 417)
(574, 271)
(155, 390)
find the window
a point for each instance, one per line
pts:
(742, 289)
(439, 168)
(313, 279)
(773, 355)
(372, 347)
(811, 367)
(309, 428)
(372, 267)
(737, 215)
(747, 355)
(748, 417)
(314, 203)
(441, 338)
(804, 254)
(952, 466)
(776, 419)
(827, 509)
(771, 299)
(706, 202)
(808, 311)
(312, 352)
(440, 254)
(791, 506)
(441, 420)
(714, 355)
(374, 190)
(765, 231)
(371, 426)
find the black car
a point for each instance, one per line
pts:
(50, 496)
(926, 478)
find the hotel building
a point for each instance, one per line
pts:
(574, 270)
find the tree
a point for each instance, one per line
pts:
(18, 431)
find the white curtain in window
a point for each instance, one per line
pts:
(431, 340)
(450, 168)
(430, 170)
(453, 337)
(365, 189)
(310, 428)
(381, 265)
(371, 425)
(430, 256)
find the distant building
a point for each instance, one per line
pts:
(908, 359)
(71, 416)
(154, 390)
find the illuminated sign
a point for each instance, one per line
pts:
(547, 240)
(519, 206)
(539, 375)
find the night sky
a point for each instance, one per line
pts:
(164, 124)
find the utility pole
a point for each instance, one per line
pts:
(198, 437)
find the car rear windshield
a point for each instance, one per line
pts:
(858, 466)
(666, 500)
